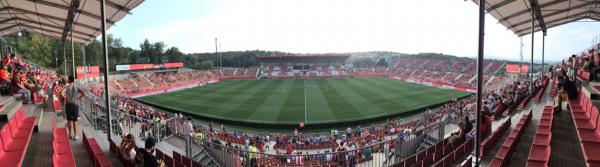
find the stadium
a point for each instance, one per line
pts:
(290, 96)
(101, 102)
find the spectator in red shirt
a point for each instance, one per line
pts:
(4, 75)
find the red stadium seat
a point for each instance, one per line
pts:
(10, 143)
(63, 160)
(539, 154)
(56, 104)
(61, 148)
(62, 154)
(10, 158)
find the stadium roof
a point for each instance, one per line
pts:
(53, 17)
(516, 14)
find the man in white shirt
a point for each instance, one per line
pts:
(72, 95)
(188, 132)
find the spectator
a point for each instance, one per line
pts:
(368, 152)
(72, 95)
(253, 154)
(18, 87)
(468, 124)
(460, 135)
(144, 157)
(127, 147)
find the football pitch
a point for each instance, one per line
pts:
(313, 101)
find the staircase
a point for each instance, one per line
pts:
(458, 77)
(134, 83)
(205, 158)
(427, 142)
(8, 107)
(472, 79)
(116, 83)
(490, 80)
(149, 81)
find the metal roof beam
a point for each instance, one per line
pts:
(52, 26)
(117, 6)
(50, 17)
(499, 5)
(48, 30)
(577, 16)
(9, 27)
(538, 15)
(529, 10)
(65, 7)
(70, 19)
(8, 20)
(525, 32)
(555, 13)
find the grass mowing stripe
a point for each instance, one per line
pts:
(194, 92)
(370, 97)
(318, 109)
(212, 101)
(270, 108)
(402, 92)
(393, 97)
(293, 112)
(341, 108)
(282, 101)
(400, 86)
(229, 106)
(249, 107)
(199, 103)
(363, 106)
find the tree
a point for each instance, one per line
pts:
(382, 62)
(146, 51)
(173, 54)
(157, 52)
(204, 65)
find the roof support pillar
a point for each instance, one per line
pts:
(532, 44)
(106, 67)
(72, 56)
(543, 50)
(65, 57)
(56, 59)
(83, 63)
(479, 80)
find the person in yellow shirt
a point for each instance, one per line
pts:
(252, 154)
(199, 136)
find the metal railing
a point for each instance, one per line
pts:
(125, 123)
(377, 150)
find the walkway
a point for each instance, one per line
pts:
(39, 152)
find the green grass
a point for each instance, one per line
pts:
(283, 101)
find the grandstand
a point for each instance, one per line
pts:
(521, 125)
(303, 65)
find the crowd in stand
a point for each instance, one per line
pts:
(19, 77)
(461, 110)
(585, 66)
(157, 80)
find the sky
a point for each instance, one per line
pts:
(338, 26)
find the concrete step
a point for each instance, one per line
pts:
(9, 107)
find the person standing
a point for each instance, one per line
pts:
(188, 132)
(252, 154)
(72, 95)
